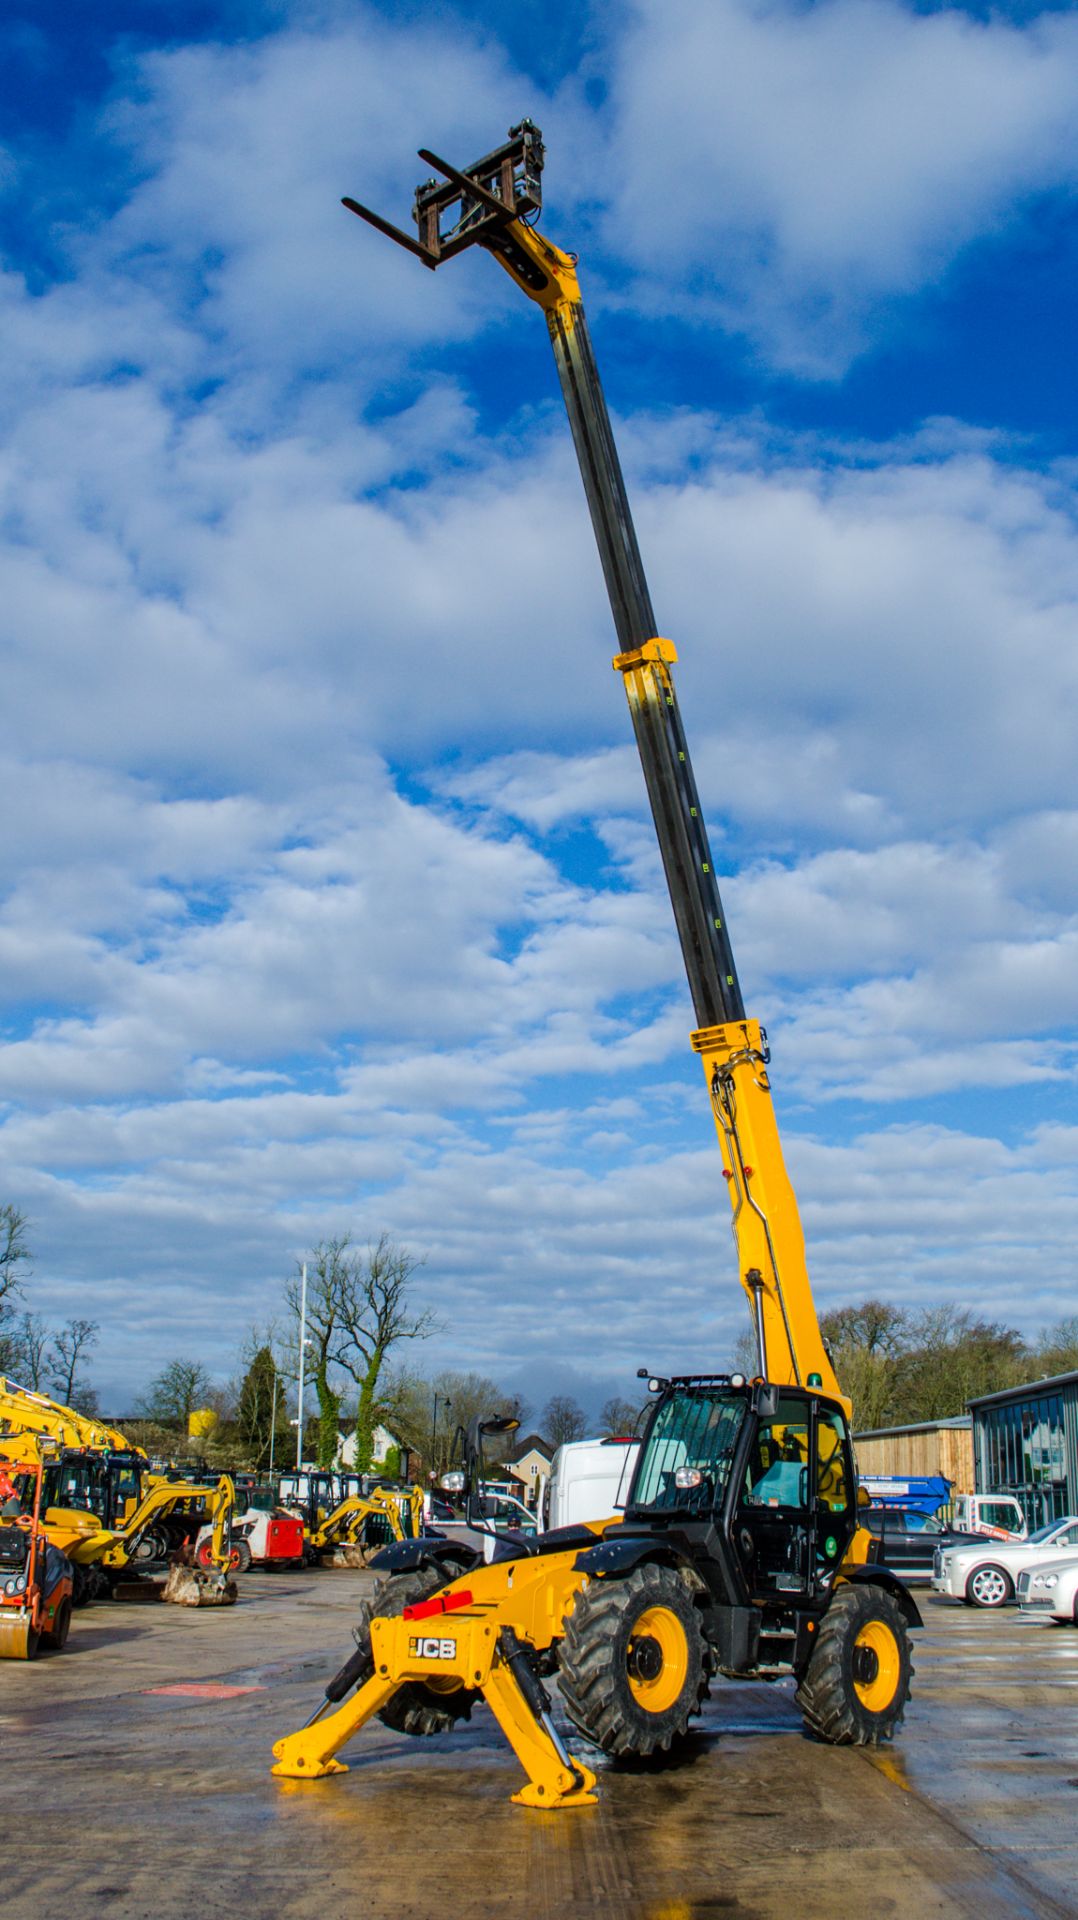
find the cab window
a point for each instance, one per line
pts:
(832, 1476)
(999, 1513)
(778, 1471)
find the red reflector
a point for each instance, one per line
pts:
(441, 1603)
(726, 1174)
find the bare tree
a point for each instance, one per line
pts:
(178, 1389)
(30, 1343)
(564, 1420)
(358, 1310)
(619, 1417)
(1057, 1349)
(13, 1251)
(69, 1346)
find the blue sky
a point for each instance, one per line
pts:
(329, 900)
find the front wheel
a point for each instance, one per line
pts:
(856, 1685)
(417, 1707)
(989, 1586)
(631, 1664)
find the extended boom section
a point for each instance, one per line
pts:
(487, 206)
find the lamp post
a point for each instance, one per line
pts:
(273, 1415)
(446, 1404)
(302, 1357)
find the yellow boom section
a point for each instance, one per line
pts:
(24, 1411)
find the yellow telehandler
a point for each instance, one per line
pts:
(740, 1551)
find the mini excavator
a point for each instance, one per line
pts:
(346, 1518)
(740, 1551)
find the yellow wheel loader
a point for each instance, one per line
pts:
(740, 1553)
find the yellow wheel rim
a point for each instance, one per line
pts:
(657, 1659)
(877, 1665)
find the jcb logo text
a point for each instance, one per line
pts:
(424, 1649)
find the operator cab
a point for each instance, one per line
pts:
(765, 1472)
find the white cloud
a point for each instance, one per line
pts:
(789, 169)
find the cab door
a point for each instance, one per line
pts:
(774, 1523)
(835, 1517)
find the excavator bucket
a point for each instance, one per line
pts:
(18, 1641)
(209, 1586)
(194, 1587)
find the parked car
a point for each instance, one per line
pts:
(907, 1539)
(985, 1575)
(1051, 1591)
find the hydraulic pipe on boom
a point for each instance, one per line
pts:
(488, 205)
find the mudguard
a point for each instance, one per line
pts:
(404, 1556)
(619, 1556)
(870, 1575)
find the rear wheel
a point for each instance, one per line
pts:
(631, 1663)
(61, 1626)
(989, 1586)
(856, 1685)
(204, 1557)
(417, 1707)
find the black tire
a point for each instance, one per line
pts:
(989, 1586)
(245, 1558)
(154, 1546)
(33, 1644)
(632, 1663)
(414, 1708)
(854, 1690)
(81, 1587)
(61, 1627)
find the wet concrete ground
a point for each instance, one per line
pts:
(131, 1803)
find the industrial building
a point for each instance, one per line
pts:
(925, 1447)
(1025, 1442)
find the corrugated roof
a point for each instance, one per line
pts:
(914, 1426)
(1051, 1381)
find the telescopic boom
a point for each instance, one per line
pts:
(487, 205)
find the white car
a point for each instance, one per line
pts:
(986, 1576)
(1051, 1590)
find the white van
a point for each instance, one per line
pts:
(996, 1514)
(589, 1480)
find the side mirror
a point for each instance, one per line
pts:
(765, 1400)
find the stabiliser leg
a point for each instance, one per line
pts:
(470, 1648)
(520, 1704)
